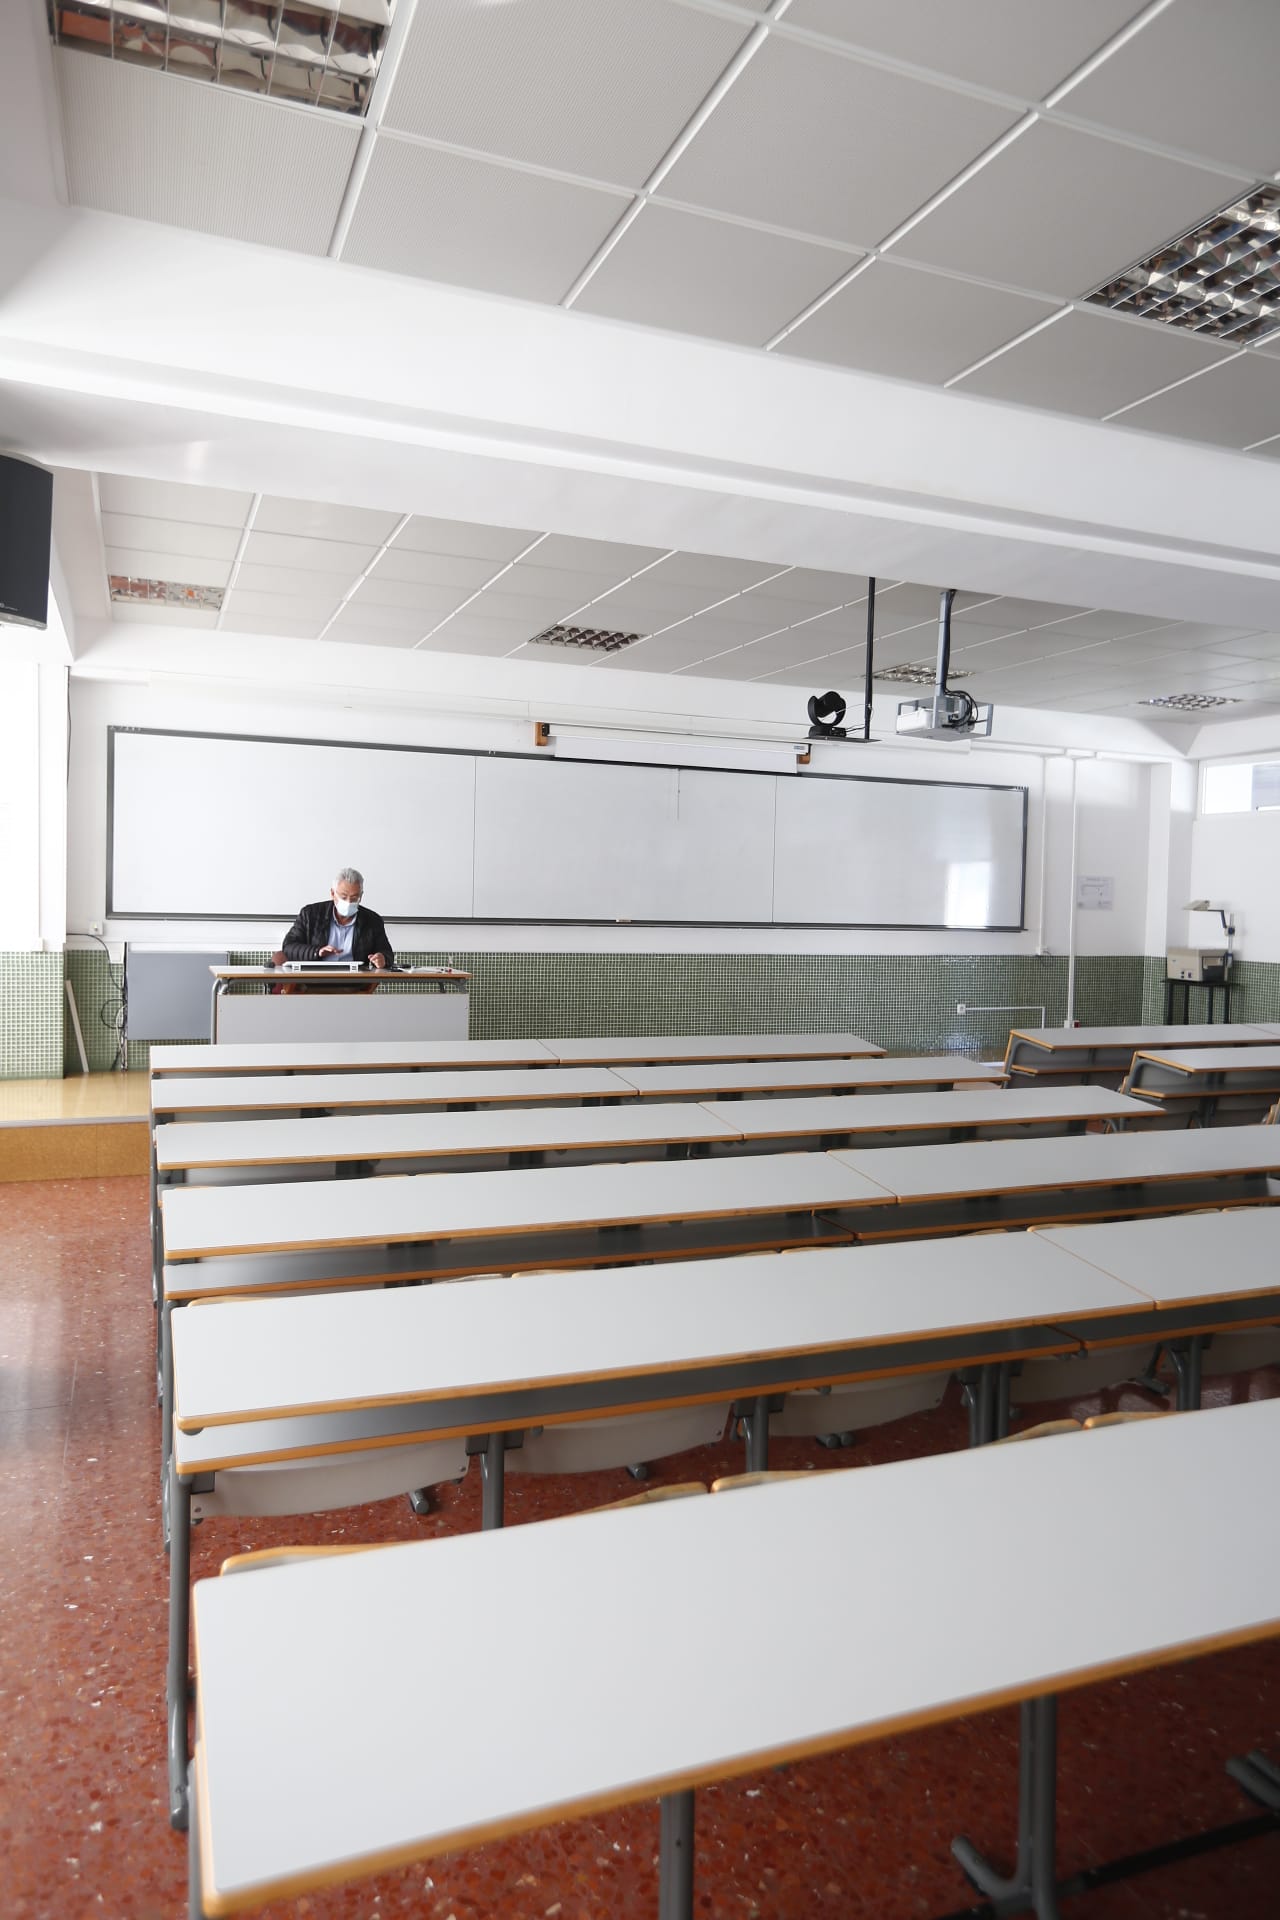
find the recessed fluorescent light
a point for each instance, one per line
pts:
(164, 593)
(919, 675)
(1190, 702)
(1222, 279)
(589, 639)
(324, 54)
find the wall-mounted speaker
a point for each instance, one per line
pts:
(26, 522)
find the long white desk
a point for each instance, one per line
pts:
(1091, 1176)
(1206, 1081)
(761, 1079)
(426, 1140)
(1088, 1052)
(263, 1381)
(247, 1094)
(362, 1056)
(312, 1760)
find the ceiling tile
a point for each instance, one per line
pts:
(1193, 634)
(911, 324)
(171, 500)
(299, 582)
(559, 583)
(433, 600)
(665, 653)
(609, 557)
(1109, 626)
(204, 157)
(1257, 646)
(435, 569)
(319, 521)
(464, 537)
(1091, 363)
(312, 556)
(281, 625)
(760, 657)
(694, 274)
(139, 614)
(169, 536)
(360, 634)
(1197, 77)
(1059, 211)
(383, 619)
(717, 575)
(273, 613)
(471, 625)
(875, 145)
(185, 569)
(595, 87)
(898, 605)
(632, 607)
(527, 611)
(444, 216)
(815, 587)
(1012, 612)
(1229, 406)
(454, 641)
(1023, 47)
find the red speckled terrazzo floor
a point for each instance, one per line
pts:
(863, 1835)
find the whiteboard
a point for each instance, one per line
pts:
(222, 826)
(576, 840)
(216, 826)
(899, 853)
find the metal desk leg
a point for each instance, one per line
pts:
(1259, 1777)
(179, 1637)
(493, 1473)
(195, 1892)
(757, 1426)
(1032, 1887)
(1186, 1357)
(675, 1856)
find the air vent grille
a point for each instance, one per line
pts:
(917, 674)
(1221, 279)
(1190, 702)
(319, 55)
(586, 639)
(164, 593)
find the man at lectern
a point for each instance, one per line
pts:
(340, 928)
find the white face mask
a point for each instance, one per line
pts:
(345, 909)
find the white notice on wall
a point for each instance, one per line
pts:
(1095, 890)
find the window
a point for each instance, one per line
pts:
(1240, 786)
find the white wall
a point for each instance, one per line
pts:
(1114, 821)
(33, 802)
(1235, 860)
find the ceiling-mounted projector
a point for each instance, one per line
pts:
(944, 715)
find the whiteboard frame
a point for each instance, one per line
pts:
(115, 912)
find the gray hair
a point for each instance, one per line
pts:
(349, 877)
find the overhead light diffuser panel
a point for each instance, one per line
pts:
(586, 639)
(1222, 279)
(164, 593)
(1191, 702)
(918, 675)
(321, 55)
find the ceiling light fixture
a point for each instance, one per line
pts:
(588, 639)
(1222, 279)
(1190, 702)
(323, 54)
(164, 593)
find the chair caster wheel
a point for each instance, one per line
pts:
(639, 1472)
(421, 1502)
(831, 1441)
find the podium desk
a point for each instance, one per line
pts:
(279, 1003)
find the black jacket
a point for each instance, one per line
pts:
(310, 932)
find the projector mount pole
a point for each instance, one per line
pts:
(871, 652)
(944, 641)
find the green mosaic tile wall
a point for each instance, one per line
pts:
(31, 1000)
(906, 1002)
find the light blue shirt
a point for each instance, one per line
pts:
(342, 937)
